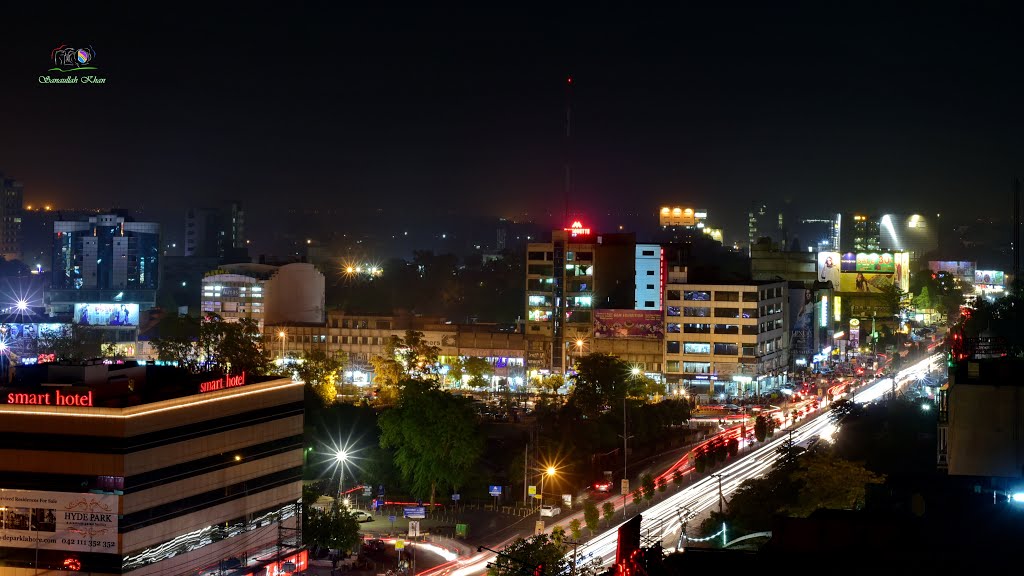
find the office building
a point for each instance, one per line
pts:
(295, 293)
(911, 233)
(216, 233)
(148, 470)
(236, 291)
(649, 282)
(11, 195)
(772, 261)
(859, 233)
(727, 339)
(104, 259)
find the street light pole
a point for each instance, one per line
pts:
(721, 496)
(341, 457)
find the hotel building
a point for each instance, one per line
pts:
(144, 470)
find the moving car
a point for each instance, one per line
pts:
(362, 516)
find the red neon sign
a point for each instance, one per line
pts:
(228, 381)
(577, 229)
(50, 399)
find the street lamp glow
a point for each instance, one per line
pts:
(341, 456)
(280, 334)
(1018, 497)
(551, 470)
(579, 343)
(634, 371)
(22, 305)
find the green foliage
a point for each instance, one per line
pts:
(761, 428)
(523, 555)
(592, 516)
(647, 484)
(552, 383)
(213, 345)
(558, 536)
(830, 482)
(576, 529)
(600, 380)
(70, 343)
(320, 373)
(435, 438)
(479, 371)
(387, 371)
(637, 496)
(677, 477)
(608, 511)
(732, 447)
(333, 528)
(662, 485)
(700, 461)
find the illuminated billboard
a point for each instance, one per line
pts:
(962, 268)
(107, 314)
(679, 216)
(990, 277)
(902, 277)
(868, 262)
(828, 268)
(865, 283)
(64, 521)
(642, 324)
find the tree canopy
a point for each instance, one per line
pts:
(434, 436)
(320, 373)
(524, 555)
(212, 344)
(603, 380)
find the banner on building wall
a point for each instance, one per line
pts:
(66, 521)
(802, 343)
(640, 324)
(865, 283)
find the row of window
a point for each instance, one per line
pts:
(361, 323)
(689, 328)
(705, 312)
(720, 348)
(570, 256)
(322, 339)
(725, 295)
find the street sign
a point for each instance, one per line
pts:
(538, 528)
(391, 518)
(414, 528)
(414, 512)
(367, 490)
(462, 530)
(399, 544)
(567, 500)
(455, 497)
(532, 490)
(494, 491)
(625, 486)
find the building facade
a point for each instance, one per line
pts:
(216, 233)
(11, 198)
(727, 339)
(236, 291)
(104, 259)
(143, 470)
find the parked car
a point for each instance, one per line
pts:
(549, 510)
(362, 516)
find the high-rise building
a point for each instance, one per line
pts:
(911, 233)
(11, 194)
(104, 259)
(216, 233)
(236, 291)
(859, 233)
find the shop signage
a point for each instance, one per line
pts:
(228, 381)
(57, 398)
(63, 521)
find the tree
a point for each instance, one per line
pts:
(212, 345)
(608, 511)
(435, 438)
(637, 496)
(592, 516)
(558, 536)
(552, 383)
(830, 482)
(479, 371)
(320, 373)
(677, 477)
(700, 461)
(418, 357)
(456, 369)
(732, 447)
(647, 483)
(69, 343)
(662, 485)
(923, 300)
(387, 371)
(523, 555)
(761, 427)
(335, 527)
(600, 380)
(576, 529)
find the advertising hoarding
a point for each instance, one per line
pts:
(643, 324)
(902, 271)
(961, 268)
(865, 283)
(802, 342)
(990, 277)
(828, 268)
(65, 521)
(107, 314)
(868, 262)
(854, 334)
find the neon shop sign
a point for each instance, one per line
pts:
(577, 229)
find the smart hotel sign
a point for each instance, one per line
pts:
(57, 398)
(228, 381)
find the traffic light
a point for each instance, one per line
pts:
(539, 570)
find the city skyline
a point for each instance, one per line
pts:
(432, 115)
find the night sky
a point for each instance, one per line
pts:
(461, 110)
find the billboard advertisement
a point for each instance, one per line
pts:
(802, 342)
(865, 283)
(65, 521)
(962, 268)
(884, 262)
(643, 324)
(854, 334)
(990, 277)
(902, 271)
(828, 268)
(107, 314)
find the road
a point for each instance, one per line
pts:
(662, 521)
